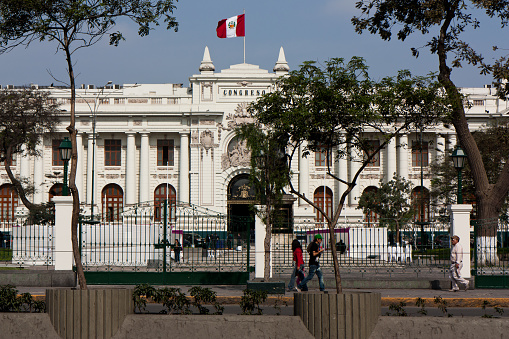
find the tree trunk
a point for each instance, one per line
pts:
(267, 240)
(72, 176)
(489, 197)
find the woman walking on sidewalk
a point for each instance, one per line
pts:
(299, 264)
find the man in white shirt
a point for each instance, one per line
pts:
(456, 265)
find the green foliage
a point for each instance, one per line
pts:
(421, 303)
(399, 309)
(391, 201)
(445, 24)
(84, 22)
(5, 254)
(328, 108)
(442, 305)
(205, 296)
(141, 293)
(251, 300)
(10, 301)
(174, 300)
(493, 144)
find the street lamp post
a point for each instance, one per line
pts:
(458, 158)
(65, 149)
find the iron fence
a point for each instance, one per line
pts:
(25, 244)
(421, 249)
(490, 242)
(188, 239)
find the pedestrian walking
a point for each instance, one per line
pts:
(315, 251)
(456, 265)
(176, 249)
(298, 264)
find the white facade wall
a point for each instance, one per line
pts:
(202, 117)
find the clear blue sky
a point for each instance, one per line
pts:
(307, 30)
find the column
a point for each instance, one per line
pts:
(303, 174)
(403, 156)
(144, 168)
(440, 149)
(91, 177)
(452, 142)
(260, 247)
(354, 167)
(391, 164)
(460, 226)
(184, 168)
(62, 233)
(24, 164)
(39, 174)
(130, 170)
(79, 169)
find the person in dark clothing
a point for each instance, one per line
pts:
(176, 249)
(315, 251)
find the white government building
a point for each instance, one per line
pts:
(165, 140)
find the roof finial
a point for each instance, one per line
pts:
(206, 64)
(281, 64)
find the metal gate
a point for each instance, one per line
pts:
(491, 254)
(166, 244)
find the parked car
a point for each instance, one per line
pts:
(189, 237)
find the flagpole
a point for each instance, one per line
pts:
(244, 35)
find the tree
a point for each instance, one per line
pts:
(25, 115)
(73, 25)
(493, 143)
(331, 107)
(392, 202)
(450, 19)
(268, 176)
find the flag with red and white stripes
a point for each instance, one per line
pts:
(231, 27)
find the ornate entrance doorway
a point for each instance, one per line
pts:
(241, 195)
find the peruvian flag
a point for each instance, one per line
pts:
(231, 27)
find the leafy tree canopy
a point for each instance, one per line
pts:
(444, 22)
(338, 108)
(25, 116)
(391, 201)
(81, 21)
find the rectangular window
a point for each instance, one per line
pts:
(165, 152)
(55, 153)
(372, 147)
(112, 152)
(419, 153)
(320, 156)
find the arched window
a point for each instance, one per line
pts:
(8, 202)
(164, 192)
(112, 202)
(420, 200)
(323, 195)
(56, 190)
(370, 217)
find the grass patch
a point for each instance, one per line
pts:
(5, 254)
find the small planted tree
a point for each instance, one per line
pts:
(268, 175)
(332, 108)
(391, 201)
(72, 25)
